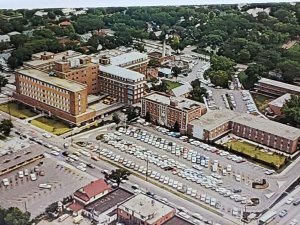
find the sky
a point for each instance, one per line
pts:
(30, 4)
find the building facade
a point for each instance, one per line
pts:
(125, 85)
(275, 88)
(167, 110)
(62, 98)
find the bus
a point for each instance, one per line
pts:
(267, 217)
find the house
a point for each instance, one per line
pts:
(276, 105)
(41, 13)
(165, 72)
(89, 193)
(85, 37)
(65, 24)
(182, 91)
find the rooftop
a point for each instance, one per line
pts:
(36, 58)
(58, 82)
(268, 126)
(182, 103)
(182, 90)
(127, 58)
(214, 118)
(279, 102)
(146, 208)
(178, 221)
(108, 201)
(275, 83)
(92, 189)
(122, 72)
(19, 157)
(165, 70)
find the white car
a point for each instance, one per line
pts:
(184, 215)
(5, 182)
(45, 186)
(21, 174)
(55, 153)
(32, 177)
(289, 201)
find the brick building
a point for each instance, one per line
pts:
(124, 84)
(143, 210)
(62, 98)
(266, 132)
(217, 123)
(276, 105)
(166, 110)
(275, 88)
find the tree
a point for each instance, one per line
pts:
(219, 78)
(18, 40)
(176, 127)
(222, 63)
(118, 175)
(148, 117)
(244, 56)
(5, 127)
(154, 63)
(13, 62)
(131, 114)
(290, 69)
(176, 71)
(14, 216)
(291, 111)
(3, 81)
(116, 118)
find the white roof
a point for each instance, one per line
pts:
(13, 33)
(182, 90)
(280, 84)
(4, 37)
(125, 58)
(122, 72)
(165, 70)
(281, 100)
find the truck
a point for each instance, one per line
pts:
(77, 219)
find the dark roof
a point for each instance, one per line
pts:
(92, 189)
(76, 206)
(108, 201)
(177, 221)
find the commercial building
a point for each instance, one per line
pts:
(217, 123)
(266, 132)
(166, 110)
(144, 210)
(275, 88)
(276, 105)
(124, 84)
(63, 98)
(212, 125)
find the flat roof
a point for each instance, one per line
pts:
(127, 58)
(183, 103)
(108, 201)
(214, 118)
(177, 221)
(279, 102)
(122, 72)
(38, 61)
(182, 89)
(146, 208)
(7, 161)
(268, 126)
(69, 85)
(280, 84)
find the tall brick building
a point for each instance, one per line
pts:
(63, 98)
(166, 110)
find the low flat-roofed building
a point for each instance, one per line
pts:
(275, 88)
(266, 132)
(21, 158)
(212, 125)
(104, 209)
(182, 91)
(276, 105)
(124, 84)
(141, 209)
(62, 98)
(166, 110)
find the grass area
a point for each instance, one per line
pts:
(171, 84)
(261, 101)
(17, 110)
(55, 126)
(257, 153)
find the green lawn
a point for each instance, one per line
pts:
(261, 154)
(261, 101)
(171, 84)
(54, 126)
(17, 110)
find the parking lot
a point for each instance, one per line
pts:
(228, 192)
(40, 184)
